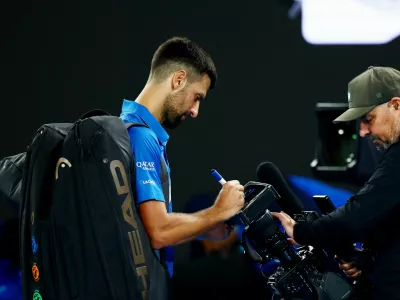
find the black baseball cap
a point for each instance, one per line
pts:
(375, 86)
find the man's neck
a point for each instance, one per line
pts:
(152, 97)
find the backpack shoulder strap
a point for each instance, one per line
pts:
(164, 177)
(134, 124)
(164, 171)
(165, 181)
(93, 113)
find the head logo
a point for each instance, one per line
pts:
(35, 246)
(62, 162)
(35, 272)
(118, 172)
(349, 96)
(36, 295)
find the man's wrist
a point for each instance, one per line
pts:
(217, 215)
(212, 216)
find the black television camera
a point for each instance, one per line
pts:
(301, 273)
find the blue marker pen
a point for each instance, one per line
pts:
(218, 177)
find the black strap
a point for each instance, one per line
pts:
(164, 171)
(93, 113)
(165, 187)
(129, 125)
(166, 191)
(165, 180)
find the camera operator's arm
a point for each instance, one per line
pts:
(352, 221)
(347, 224)
(374, 204)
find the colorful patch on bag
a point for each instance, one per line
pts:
(35, 272)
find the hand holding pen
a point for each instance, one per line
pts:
(231, 197)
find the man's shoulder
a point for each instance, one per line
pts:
(144, 139)
(393, 149)
(140, 132)
(391, 158)
(386, 172)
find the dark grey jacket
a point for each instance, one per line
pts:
(372, 216)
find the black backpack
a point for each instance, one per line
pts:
(11, 170)
(80, 234)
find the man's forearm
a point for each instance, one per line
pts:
(179, 227)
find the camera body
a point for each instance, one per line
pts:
(302, 272)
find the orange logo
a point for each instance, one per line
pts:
(35, 272)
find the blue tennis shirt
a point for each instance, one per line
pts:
(148, 146)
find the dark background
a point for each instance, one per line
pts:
(62, 58)
(66, 57)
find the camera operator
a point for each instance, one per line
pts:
(372, 216)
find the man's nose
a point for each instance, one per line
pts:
(364, 130)
(194, 111)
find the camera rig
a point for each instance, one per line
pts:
(303, 272)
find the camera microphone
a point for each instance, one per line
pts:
(267, 172)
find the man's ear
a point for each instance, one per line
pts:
(179, 80)
(395, 103)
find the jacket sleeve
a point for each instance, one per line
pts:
(351, 222)
(378, 200)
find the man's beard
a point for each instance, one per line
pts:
(384, 145)
(379, 144)
(171, 115)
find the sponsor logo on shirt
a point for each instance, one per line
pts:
(148, 182)
(145, 165)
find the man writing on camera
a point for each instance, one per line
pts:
(180, 76)
(372, 215)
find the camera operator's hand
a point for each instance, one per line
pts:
(348, 268)
(230, 199)
(287, 224)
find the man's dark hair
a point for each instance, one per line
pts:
(181, 53)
